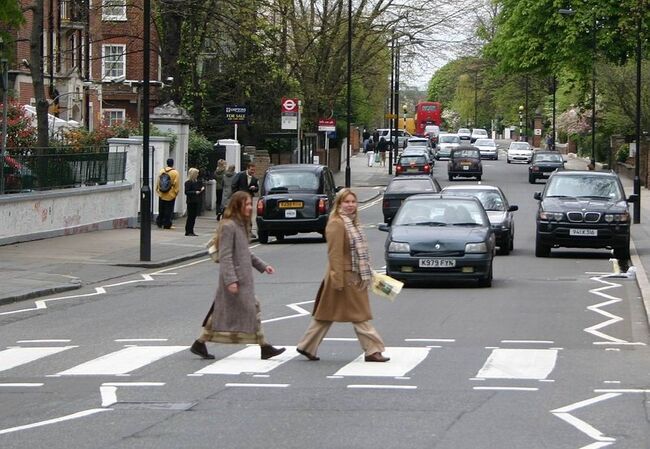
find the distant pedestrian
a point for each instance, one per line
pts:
(235, 313)
(193, 190)
(218, 177)
(343, 293)
(167, 188)
(370, 152)
(246, 181)
(382, 147)
(549, 143)
(228, 178)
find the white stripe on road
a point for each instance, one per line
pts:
(55, 420)
(13, 357)
(44, 341)
(519, 364)
(258, 385)
(248, 361)
(388, 387)
(541, 342)
(402, 360)
(123, 361)
(19, 385)
(432, 340)
(507, 388)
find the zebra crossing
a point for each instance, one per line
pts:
(525, 364)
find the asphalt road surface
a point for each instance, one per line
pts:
(553, 355)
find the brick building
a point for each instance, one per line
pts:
(92, 60)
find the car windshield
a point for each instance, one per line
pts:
(410, 185)
(519, 146)
(484, 143)
(490, 199)
(463, 131)
(588, 186)
(548, 158)
(292, 181)
(408, 160)
(480, 132)
(465, 153)
(449, 139)
(440, 212)
(417, 143)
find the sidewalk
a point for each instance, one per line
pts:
(55, 265)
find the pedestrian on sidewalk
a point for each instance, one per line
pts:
(193, 190)
(370, 152)
(235, 313)
(167, 187)
(218, 177)
(246, 181)
(343, 293)
(228, 178)
(382, 147)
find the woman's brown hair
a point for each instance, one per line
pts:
(235, 209)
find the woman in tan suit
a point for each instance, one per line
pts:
(343, 293)
(235, 313)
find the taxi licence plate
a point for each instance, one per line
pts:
(584, 232)
(290, 204)
(437, 263)
(465, 167)
(290, 213)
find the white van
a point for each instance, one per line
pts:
(402, 135)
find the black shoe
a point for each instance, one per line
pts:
(269, 351)
(200, 349)
(190, 234)
(308, 355)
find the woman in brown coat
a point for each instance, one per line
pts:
(343, 293)
(235, 314)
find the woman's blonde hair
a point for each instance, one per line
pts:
(193, 173)
(340, 196)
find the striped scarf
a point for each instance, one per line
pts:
(358, 248)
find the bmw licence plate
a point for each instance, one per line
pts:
(437, 263)
(584, 232)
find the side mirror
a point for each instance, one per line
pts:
(383, 227)
(513, 208)
(633, 198)
(537, 196)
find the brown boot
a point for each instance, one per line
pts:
(376, 357)
(269, 351)
(199, 348)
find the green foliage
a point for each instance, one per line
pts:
(623, 153)
(199, 150)
(20, 131)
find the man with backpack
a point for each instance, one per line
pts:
(167, 187)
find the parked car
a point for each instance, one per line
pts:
(294, 198)
(478, 133)
(519, 152)
(465, 135)
(583, 209)
(420, 143)
(488, 148)
(432, 132)
(440, 237)
(500, 212)
(543, 164)
(465, 161)
(417, 151)
(446, 142)
(400, 188)
(413, 164)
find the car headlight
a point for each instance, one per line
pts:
(557, 216)
(399, 247)
(617, 218)
(476, 247)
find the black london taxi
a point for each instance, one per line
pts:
(465, 161)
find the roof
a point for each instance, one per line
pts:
(471, 187)
(302, 167)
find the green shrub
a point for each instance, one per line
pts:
(623, 153)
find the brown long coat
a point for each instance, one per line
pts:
(235, 313)
(340, 296)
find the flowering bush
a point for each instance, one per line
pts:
(80, 138)
(21, 133)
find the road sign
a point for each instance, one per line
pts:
(289, 104)
(326, 124)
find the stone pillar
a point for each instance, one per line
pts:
(175, 120)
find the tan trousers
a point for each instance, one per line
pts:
(368, 336)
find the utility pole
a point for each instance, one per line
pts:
(145, 191)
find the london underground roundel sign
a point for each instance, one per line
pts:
(289, 105)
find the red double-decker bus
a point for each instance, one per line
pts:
(427, 113)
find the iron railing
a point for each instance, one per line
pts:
(58, 168)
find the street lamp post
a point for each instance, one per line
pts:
(554, 87)
(636, 214)
(521, 122)
(348, 179)
(392, 97)
(145, 190)
(4, 67)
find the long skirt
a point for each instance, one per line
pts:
(235, 338)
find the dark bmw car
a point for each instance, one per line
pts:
(500, 212)
(400, 188)
(465, 161)
(440, 237)
(583, 209)
(543, 164)
(294, 199)
(413, 164)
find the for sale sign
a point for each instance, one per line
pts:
(236, 114)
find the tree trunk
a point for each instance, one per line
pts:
(36, 64)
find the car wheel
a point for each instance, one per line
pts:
(511, 244)
(263, 236)
(622, 253)
(279, 237)
(531, 179)
(324, 236)
(478, 178)
(509, 161)
(451, 178)
(504, 249)
(487, 280)
(541, 250)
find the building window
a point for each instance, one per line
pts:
(113, 61)
(114, 116)
(114, 10)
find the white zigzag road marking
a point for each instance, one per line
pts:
(611, 318)
(564, 413)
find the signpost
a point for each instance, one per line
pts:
(290, 112)
(235, 115)
(326, 125)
